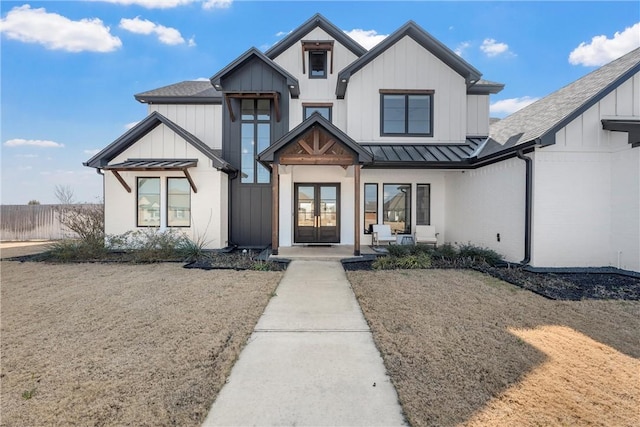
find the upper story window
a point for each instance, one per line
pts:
(255, 135)
(323, 109)
(406, 113)
(318, 53)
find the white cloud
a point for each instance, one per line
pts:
(216, 4)
(493, 48)
(57, 32)
(602, 50)
(366, 38)
(511, 105)
(18, 142)
(166, 35)
(130, 125)
(92, 152)
(459, 50)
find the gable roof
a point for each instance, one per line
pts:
(187, 92)
(316, 119)
(316, 20)
(539, 122)
(424, 39)
(145, 126)
(292, 82)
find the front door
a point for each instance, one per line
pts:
(317, 213)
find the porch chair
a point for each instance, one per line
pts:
(426, 234)
(382, 233)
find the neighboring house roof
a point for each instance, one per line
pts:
(423, 155)
(538, 123)
(292, 82)
(187, 92)
(316, 20)
(267, 155)
(426, 40)
(141, 129)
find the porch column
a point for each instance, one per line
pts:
(356, 222)
(275, 205)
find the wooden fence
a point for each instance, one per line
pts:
(31, 222)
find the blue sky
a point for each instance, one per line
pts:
(69, 69)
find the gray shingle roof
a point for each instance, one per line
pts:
(190, 90)
(541, 120)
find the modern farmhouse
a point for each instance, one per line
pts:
(317, 139)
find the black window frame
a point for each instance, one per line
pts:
(137, 199)
(369, 229)
(168, 205)
(329, 107)
(428, 207)
(407, 93)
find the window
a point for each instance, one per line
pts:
(178, 202)
(409, 114)
(318, 64)
(397, 207)
(370, 206)
(148, 202)
(423, 204)
(323, 109)
(255, 137)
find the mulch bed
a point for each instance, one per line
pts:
(556, 286)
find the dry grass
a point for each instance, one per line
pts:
(463, 348)
(110, 344)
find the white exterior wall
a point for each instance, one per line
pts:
(587, 190)
(485, 202)
(209, 216)
(202, 120)
(316, 90)
(407, 65)
(477, 115)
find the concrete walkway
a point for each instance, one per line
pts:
(310, 361)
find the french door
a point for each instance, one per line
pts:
(317, 213)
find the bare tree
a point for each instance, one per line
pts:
(64, 194)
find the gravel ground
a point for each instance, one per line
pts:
(121, 344)
(463, 348)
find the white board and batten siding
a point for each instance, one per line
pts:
(209, 216)
(202, 120)
(316, 90)
(485, 202)
(407, 65)
(587, 190)
(477, 115)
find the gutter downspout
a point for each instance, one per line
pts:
(528, 206)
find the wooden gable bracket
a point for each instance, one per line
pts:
(274, 96)
(121, 180)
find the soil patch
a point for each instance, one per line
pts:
(121, 344)
(464, 348)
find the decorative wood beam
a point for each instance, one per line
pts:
(122, 181)
(191, 183)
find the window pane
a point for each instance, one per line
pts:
(324, 112)
(178, 202)
(148, 202)
(248, 109)
(264, 109)
(393, 113)
(370, 206)
(397, 207)
(317, 63)
(247, 158)
(419, 114)
(423, 204)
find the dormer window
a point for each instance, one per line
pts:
(317, 64)
(316, 51)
